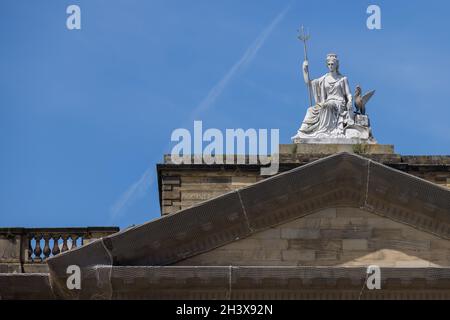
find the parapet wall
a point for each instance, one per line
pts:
(182, 186)
(25, 250)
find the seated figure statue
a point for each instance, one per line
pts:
(333, 110)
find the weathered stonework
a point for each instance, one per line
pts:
(181, 190)
(19, 252)
(334, 237)
(307, 233)
(183, 186)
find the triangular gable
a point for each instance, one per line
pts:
(337, 237)
(341, 180)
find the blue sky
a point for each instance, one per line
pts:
(85, 115)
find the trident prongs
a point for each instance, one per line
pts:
(302, 36)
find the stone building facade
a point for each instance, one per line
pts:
(182, 186)
(310, 232)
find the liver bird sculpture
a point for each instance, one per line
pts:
(360, 101)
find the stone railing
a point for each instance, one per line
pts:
(27, 249)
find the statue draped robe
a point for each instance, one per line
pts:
(328, 117)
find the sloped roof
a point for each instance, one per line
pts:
(341, 180)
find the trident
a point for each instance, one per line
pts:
(305, 37)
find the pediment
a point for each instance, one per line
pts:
(341, 237)
(342, 180)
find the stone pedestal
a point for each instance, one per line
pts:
(10, 251)
(332, 148)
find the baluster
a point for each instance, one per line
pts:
(64, 246)
(37, 249)
(74, 241)
(55, 250)
(30, 248)
(46, 246)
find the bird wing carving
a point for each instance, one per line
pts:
(367, 96)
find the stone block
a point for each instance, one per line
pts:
(442, 177)
(273, 244)
(10, 267)
(346, 233)
(170, 209)
(35, 268)
(349, 222)
(25, 287)
(327, 213)
(299, 255)
(168, 180)
(9, 248)
(200, 178)
(326, 149)
(308, 222)
(292, 233)
(413, 264)
(353, 213)
(326, 256)
(414, 245)
(359, 255)
(224, 256)
(316, 244)
(354, 244)
(274, 233)
(379, 222)
(390, 255)
(356, 263)
(199, 195)
(243, 244)
(395, 234)
(242, 181)
(171, 195)
(437, 244)
(252, 244)
(261, 255)
(435, 255)
(223, 188)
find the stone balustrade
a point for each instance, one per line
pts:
(27, 249)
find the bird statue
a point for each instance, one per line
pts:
(360, 101)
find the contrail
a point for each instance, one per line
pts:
(245, 60)
(135, 191)
(139, 188)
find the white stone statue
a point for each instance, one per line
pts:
(332, 119)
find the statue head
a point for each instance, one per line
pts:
(333, 62)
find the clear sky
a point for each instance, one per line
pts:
(86, 114)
